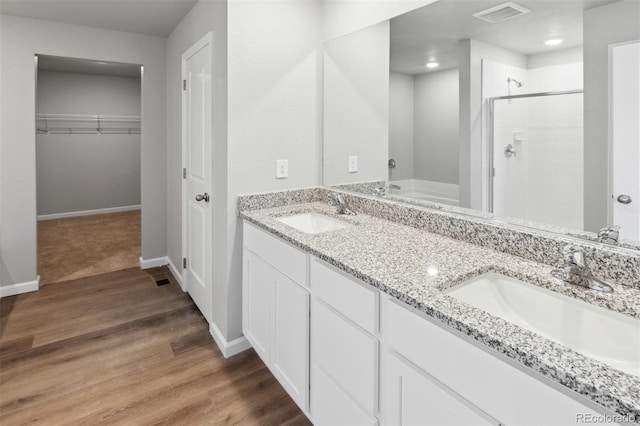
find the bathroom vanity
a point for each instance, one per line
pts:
(356, 324)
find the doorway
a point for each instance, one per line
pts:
(88, 156)
(624, 203)
(197, 173)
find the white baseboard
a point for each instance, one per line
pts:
(153, 263)
(19, 288)
(89, 212)
(231, 348)
(177, 274)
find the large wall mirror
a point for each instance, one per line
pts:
(526, 112)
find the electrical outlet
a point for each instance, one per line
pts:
(353, 164)
(282, 169)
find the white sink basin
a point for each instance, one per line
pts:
(313, 223)
(605, 335)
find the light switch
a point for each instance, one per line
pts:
(282, 169)
(353, 164)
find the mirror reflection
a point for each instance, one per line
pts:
(525, 111)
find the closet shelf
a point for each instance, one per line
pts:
(87, 124)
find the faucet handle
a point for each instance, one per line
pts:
(574, 256)
(609, 235)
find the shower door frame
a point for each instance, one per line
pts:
(490, 149)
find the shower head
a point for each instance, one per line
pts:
(518, 84)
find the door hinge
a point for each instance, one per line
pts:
(184, 173)
(184, 263)
(493, 172)
(184, 84)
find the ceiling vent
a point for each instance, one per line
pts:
(501, 13)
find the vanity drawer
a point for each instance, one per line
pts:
(356, 301)
(347, 355)
(492, 384)
(331, 406)
(281, 255)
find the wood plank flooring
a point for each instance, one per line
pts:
(117, 349)
(83, 246)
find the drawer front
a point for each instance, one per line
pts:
(331, 406)
(356, 301)
(493, 385)
(346, 354)
(410, 397)
(281, 255)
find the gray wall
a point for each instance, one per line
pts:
(21, 39)
(401, 125)
(81, 171)
(614, 23)
(436, 126)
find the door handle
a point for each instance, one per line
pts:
(624, 199)
(204, 197)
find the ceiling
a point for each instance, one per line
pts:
(432, 32)
(86, 66)
(151, 17)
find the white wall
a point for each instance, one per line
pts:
(436, 126)
(274, 113)
(342, 17)
(205, 16)
(602, 26)
(87, 171)
(356, 106)
(401, 90)
(21, 39)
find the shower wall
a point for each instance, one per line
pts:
(543, 181)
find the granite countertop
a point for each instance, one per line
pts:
(396, 259)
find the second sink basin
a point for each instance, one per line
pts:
(599, 333)
(313, 223)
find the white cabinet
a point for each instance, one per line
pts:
(290, 355)
(409, 396)
(275, 317)
(482, 379)
(348, 356)
(257, 306)
(344, 352)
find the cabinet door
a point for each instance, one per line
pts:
(410, 397)
(290, 354)
(257, 287)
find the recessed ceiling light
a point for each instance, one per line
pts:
(433, 64)
(553, 41)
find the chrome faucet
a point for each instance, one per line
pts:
(609, 235)
(574, 270)
(341, 205)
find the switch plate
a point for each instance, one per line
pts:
(353, 164)
(282, 169)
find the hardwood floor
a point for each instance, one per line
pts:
(83, 246)
(119, 349)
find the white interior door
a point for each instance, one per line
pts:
(625, 138)
(197, 173)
